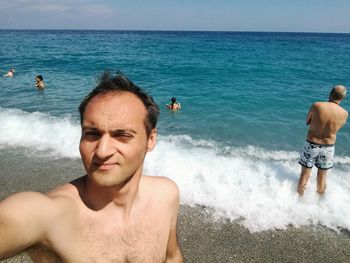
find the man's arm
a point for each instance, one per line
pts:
(346, 117)
(309, 115)
(173, 254)
(23, 222)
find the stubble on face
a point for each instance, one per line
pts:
(114, 140)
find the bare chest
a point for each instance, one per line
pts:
(142, 241)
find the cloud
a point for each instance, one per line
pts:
(52, 13)
(50, 8)
(73, 6)
(275, 15)
(94, 9)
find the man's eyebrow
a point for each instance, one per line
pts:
(89, 127)
(117, 131)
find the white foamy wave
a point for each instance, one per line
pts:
(41, 132)
(253, 185)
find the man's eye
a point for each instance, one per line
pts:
(124, 137)
(91, 134)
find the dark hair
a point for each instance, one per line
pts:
(39, 77)
(173, 100)
(120, 83)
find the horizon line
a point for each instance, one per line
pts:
(171, 30)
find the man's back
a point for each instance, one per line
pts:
(325, 119)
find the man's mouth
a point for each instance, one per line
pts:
(105, 166)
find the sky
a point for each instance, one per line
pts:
(204, 15)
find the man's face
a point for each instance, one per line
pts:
(114, 141)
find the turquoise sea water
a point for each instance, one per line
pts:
(245, 96)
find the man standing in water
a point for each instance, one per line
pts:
(325, 119)
(112, 214)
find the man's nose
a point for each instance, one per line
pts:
(105, 147)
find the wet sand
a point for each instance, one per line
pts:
(201, 238)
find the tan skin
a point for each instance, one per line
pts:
(114, 213)
(174, 107)
(325, 120)
(39, 83)
(10, 73)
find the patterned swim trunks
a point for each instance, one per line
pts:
(320, 155)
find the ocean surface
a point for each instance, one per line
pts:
(234, 145)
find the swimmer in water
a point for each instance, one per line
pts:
(174, 106)
(10, 73)
(39, 82)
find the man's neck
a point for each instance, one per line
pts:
(120, 196)
(335, 101)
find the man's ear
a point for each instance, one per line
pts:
(152, 140)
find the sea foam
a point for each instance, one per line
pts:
(41, 132)
(252, 185)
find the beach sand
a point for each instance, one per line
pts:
(200, 237)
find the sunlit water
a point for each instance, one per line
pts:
(234, 145)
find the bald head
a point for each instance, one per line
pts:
(338, 92)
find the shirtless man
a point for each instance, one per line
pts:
(112, 214)
(174, 106)
(325, 119)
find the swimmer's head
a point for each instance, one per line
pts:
(173, 100)
(39, 77)
(338, 92)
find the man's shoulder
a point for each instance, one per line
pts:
(33, 206)
(160, 181)
(161, 187)
(326, 105)
(320, 104)
(345, 114)
(345, 111)
(65, 202)
(24, 198)
(341, 111)
(316, 106)
(68, 192)
(34, 200)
